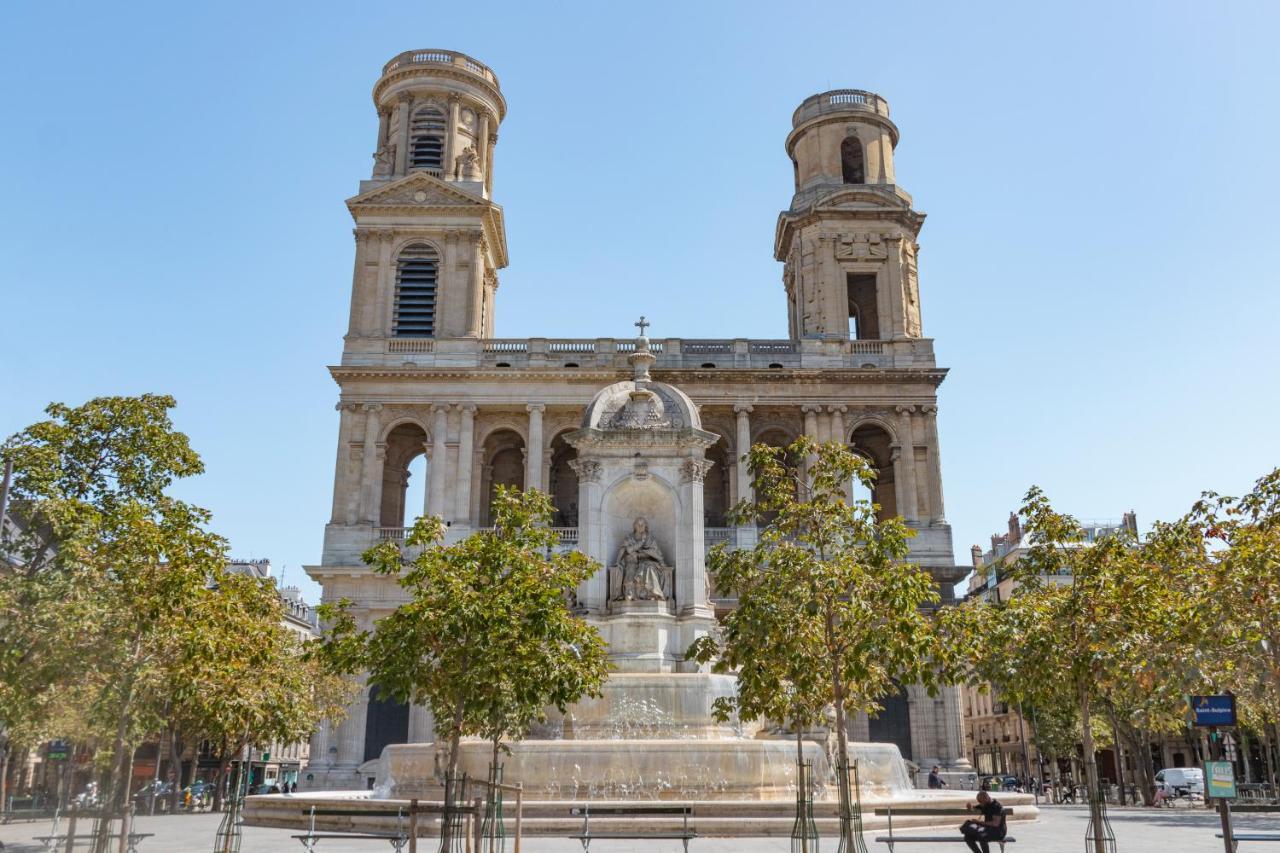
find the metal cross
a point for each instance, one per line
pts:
(642, 324)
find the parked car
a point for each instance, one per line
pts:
(156, 789)
(1177, 781)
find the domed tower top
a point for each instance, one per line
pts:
(438, 112)
(840, 137)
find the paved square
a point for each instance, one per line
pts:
(1060, 830)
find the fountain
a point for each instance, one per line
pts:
(652, 734)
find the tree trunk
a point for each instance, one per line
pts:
(175, 763)
(220, 781)
(4, 774)
(1146, 776)
(1244, 755)
(1091, 768)
(451, 794)
(113, 798)
(842, 750)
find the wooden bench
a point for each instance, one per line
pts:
(60, 842)
(684, 834)
(891, 839)
(1253, 836)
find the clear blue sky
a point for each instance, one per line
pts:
(1098, 267)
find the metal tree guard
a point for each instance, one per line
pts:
(230, 829)
(494, 829)
(851, 840)
(453, 838)
(1106, 833)
(804, 832)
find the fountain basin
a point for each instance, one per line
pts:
(574, 770)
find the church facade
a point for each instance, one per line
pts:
(618, 430)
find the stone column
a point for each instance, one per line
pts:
(691, 583)
(937, 514)
(743, 445)
(906, 488)
(894, 282)
(838, 434)
(475, 287)
(593, 594)
(422, 726)
(837, 423)
(360, 294)
(811, 430)
(371, 477)
(384, 127)
(451, 137)
(342, 470)
(449, 287)
(482, 144)
(349, 738)
(492, 142)
(426, 487)
(466, 455)
(402, 144)
(439, 461)
(534, 449)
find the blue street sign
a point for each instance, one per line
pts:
(1213, 710)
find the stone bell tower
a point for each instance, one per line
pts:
(429, 239)
(849, 237)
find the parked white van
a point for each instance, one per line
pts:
(1180, 780)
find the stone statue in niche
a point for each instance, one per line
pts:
(467, 164)
(383, 161)
(641, 574)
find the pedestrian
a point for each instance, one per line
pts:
(935, 778)
(991, 828)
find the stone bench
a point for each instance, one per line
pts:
(893, 840)
(685, 834)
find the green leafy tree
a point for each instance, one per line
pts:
(829, 613)
(109, 562)
(1244, 535)
(241, 678)
(487, 639)
(1118, 622)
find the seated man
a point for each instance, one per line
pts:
(991, 828)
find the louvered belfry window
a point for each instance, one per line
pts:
(417, 272)
(426, 149)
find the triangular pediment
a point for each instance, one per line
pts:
(416, 190)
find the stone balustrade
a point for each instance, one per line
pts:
(611, 353)
(837, 101)
(440, 57)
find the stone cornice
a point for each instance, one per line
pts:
(439, 70)
(741, 375)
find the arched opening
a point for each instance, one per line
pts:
(404, 452)
(417, 273)
(777, 437)
(864, 314)
(564, 483)
(852, 168)
(386, 722)
(715, 488)
(873, 443)
(893, 723)
(426, 143)
(503, 466)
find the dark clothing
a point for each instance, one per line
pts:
(978, 833)
(935, 780)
